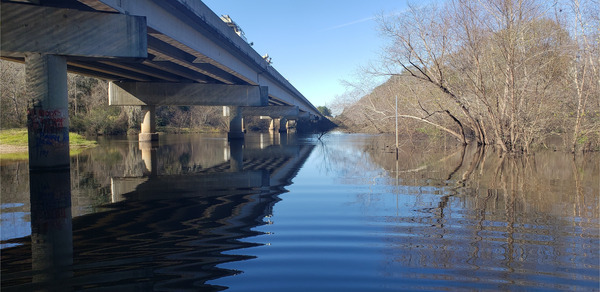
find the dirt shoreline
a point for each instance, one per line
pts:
(4, 149)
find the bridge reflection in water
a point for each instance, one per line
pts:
(161, 231)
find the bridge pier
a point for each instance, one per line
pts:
(275, 124)
(280, 125)
(47, 114)
(291, 126)
(283, 125)
(148, 127)
(235, 123)
(49, 163)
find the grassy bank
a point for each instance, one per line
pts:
(13, 144)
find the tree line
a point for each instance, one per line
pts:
(89, 112)
(509, 73)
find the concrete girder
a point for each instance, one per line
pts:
(176, 70)
(143, 70)
(304, 115)
(168, 51)
(289, 112)
(141, 93)
(69, 32)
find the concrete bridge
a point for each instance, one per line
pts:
(153, 52)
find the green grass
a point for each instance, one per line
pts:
(80, 141)
(15, 137)
(18, 137)
(14, 156)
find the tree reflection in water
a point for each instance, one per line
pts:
(172, 212)
(479, 216)
(438, 218)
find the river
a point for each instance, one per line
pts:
(296, 213)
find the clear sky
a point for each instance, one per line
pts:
(313, 43)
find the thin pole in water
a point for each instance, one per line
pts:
(396, 127)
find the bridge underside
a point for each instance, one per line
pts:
(147, 58)
(167, 59)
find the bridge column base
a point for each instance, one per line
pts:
(235, 123)
(282, 125)
(235, 136)
(274, 127)
(291, 126)
(147, 137)
(148, 126)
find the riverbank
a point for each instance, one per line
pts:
(13, 143)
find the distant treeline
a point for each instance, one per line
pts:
(494, 72)
(90, 114)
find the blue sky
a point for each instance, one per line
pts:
(313, 43)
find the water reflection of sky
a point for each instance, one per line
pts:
(343, 215)
(355, 220)
(13, 224)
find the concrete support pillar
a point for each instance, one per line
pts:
(275, 124)
(49, 164)
(235, 123)
(148, 128)
(47, 114)
(282, 125)
(291, 126)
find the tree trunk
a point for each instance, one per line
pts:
(458, 136)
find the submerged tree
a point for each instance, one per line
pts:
(490, 71)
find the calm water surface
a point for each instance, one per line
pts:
(293, 213)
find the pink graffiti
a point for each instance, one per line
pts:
(45, 120)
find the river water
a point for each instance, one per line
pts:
(296, 213)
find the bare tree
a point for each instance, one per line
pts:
(498, 64)
(12, 94)
(583, 70)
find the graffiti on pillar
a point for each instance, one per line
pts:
(49, 130)
(45, 120)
